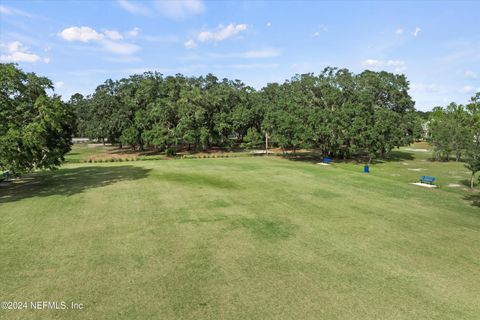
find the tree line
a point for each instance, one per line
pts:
(338, 112)
(454, 131)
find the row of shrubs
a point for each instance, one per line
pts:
(206, 156)
(236, 155)
(110, 160)
(201, 156)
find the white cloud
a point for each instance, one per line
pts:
(59, 84)
(113, 34)
(469, 89)
(382, 63)
(14, 46)
(20, 57)
(83, 34)
(321, 29)
(133, 8)
(397, 65)
(223, 32)
(119, 47)
(180, 9)
(109, 40)
(399, 31)
(269, 24)
(134, 32)
(470, 74)
(190, 44)
(16, 52)
(14, 12)
(5, 10)
(371, 63)
(417, 31)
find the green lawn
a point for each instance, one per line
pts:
(243, 238)
(83, 152)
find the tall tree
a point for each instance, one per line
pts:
(35, 128)
(472, 161)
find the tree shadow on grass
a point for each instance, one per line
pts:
(399, 156)
(465, 182)
(68, 182)
(315, 157)
(197, 179)
(311, 157)
(474, 198)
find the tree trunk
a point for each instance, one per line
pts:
(472, 179)
(266, 143)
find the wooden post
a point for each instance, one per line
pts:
(266, 143)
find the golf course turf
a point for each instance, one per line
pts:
(243, 238)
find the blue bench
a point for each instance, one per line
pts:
(427, 179)
(327, 160)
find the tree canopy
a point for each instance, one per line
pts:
(455, 130)
(35, 129)
(336, 111)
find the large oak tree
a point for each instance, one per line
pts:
(35, 128)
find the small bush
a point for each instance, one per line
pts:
(170, 152)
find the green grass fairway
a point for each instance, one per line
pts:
(242, 238)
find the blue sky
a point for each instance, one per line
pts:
(81, 44)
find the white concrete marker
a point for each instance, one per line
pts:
(425, 185)
(454, 185)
